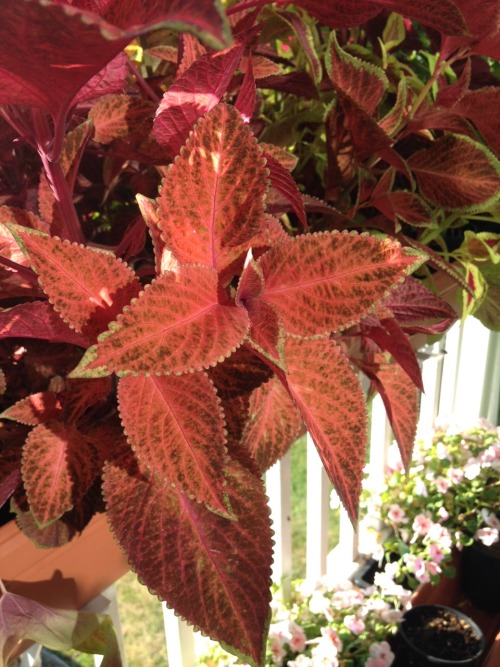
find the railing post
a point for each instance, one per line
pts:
(179, 637)
(279, 492)
(318, 507)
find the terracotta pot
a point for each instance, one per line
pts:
(66, 577)
(481, 576)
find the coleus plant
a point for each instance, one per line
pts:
(157, 378)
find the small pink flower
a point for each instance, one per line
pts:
(442, 484)
(432, 568)
(421, 524)
(277, 648)
(332, 637)
(435, 553)
(455, 475)
(443, 513)
(420, 571)
(298, 637)
(490, 519)
(397, 514)
(487, 536)
(380, 651)
(354, 624)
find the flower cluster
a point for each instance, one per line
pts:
(449, 499)
(328, 625)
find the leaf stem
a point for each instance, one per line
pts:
(57, 180)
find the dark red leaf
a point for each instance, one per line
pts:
(246, 100)
(281, 179)
(187, 554)
(328, 395)
(38, 319)
(481, 107)
(273, 424)
(266, 331)
(457, 174)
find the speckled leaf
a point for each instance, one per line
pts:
(176, 325)
(324, 282)
(273, 423)
(86, 287)
(176, 427)
(404, 206)
(364, 82)
(37, 319)
(281, 180)
(81, 394)
(457, 173)
(35, 409)
(400, 397)
(57, 468)
(192, 95)
(213, 196)
(328, 395)
(117, 116)
(266, 331)
(212, 571)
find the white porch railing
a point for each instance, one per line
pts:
(462, 380)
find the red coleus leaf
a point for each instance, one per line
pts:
(457, 174)
(199, 90)
(37, 319)
(400, 398)
(176, 427)
(273, 423)
(324, 282)
(57, 468)
(117, 116)
(10, 472)
(363, 82)
(247, 96)
(79, 395)
(212, 199)
(52, 50)
(86, 287)
(481, 107)
(176, 325)
(403, 206)
(391, 338)
(266, 331)
(416, 308)
(281, 179)
(110, 80)
(328, 395)
(35, 409)
(186, 554)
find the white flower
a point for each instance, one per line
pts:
(472, 468)
(318, 604)
(487, 536)
(301, 661)
(490, 519)
(354, 624)
(420, 488)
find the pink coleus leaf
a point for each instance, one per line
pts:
(176, 325)
(327, 392)
(186, 554)
(86, 287)
(195, 93)
(324, 282)
(110, 80)
(57, 468)
(362, 81)
(37, 319)
(281, 179)
(176, 428)
(457, 173)
(400, 398)
(81, 394)
(266, 331)
(116, 116)
(212, 199)
(273, 423)
(416, 308)
(390, 337)
(21, 217)
(246, 100)
(35, 409)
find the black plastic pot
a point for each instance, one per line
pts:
(481, 576)
(437, 636)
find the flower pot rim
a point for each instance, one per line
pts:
(434, 659)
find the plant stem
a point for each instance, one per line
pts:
(51, 163)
